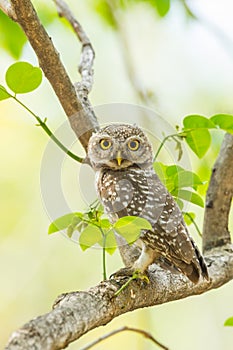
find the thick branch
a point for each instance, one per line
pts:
(76, 313)
(219, 197)
(54, 70)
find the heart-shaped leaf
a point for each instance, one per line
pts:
(22, 77)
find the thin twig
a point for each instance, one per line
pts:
(49, 132)
(6, 7)
(166, 138)
(122, 329)
(88, 54)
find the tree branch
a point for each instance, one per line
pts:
(122, 329)
(83, 121)
(76, 313)
(219, 198)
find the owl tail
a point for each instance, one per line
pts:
(194, 269)
(202, 264)
(197, 267)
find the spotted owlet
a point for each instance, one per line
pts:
(122, 157)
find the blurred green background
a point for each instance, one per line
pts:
(188, 65)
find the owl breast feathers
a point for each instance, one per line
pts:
(122, 157)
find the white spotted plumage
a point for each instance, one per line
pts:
(130, 186)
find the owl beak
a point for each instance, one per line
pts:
(119, 158)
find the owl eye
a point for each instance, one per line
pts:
(105, 144)
(133, 145)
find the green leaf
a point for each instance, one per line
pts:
(185, 178)
(229, 322)
(189, 197)
(3, 93)
(90, 236)
(161, 171)
(105, 223)
(172, 170)
(174, 176)
(189, 217)
(63, 222)
(130, 227)
(22, 77)
(76, 220)
(198, 122)
(223, 121)
(12, 37)
(199, 141)
(162, 6)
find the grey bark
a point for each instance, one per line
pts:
(219, 197)
(74, 314)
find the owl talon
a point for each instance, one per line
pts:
(132, 274)
(124, 272)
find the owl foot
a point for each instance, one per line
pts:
(132, 274)
(124, 272)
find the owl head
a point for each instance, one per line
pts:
(119, 146)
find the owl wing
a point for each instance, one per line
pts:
(171, 239)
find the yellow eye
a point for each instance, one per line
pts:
(105, 144)
(133, 145)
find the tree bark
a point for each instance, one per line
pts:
(219, 197)
(76, 313)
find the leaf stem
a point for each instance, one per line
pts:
(104, 255)
(163, 142)
(194, 223)
(125, 285)
(49, 132)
